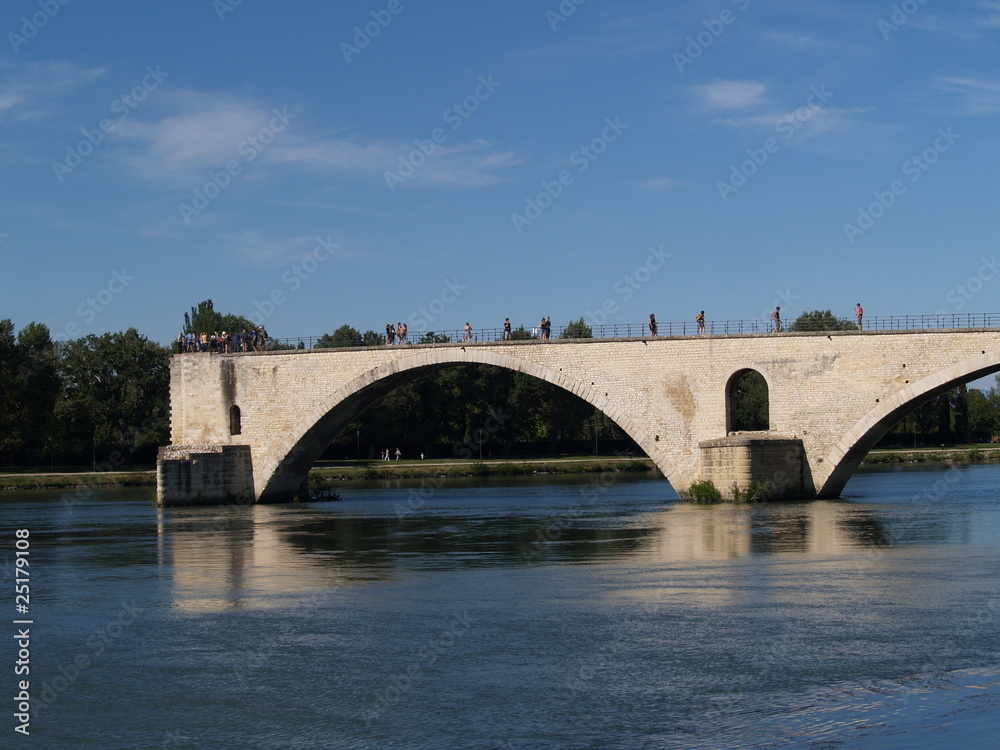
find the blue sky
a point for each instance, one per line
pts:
(312, 164)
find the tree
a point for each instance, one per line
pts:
(29, 387)
(960, 414)
(577, 329)
(8, 388)
(205, 319)
(433, 338)
(821, 320)
(343, 336)
(40, 385)
(521, 334)
(115, 393)
(748, 403)
(372, 338)
(984, 414)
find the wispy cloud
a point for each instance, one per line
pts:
(978, 96)
(992, 19)
(807, 122)
(200, 132)
(29, 92)
(730, 94)
(254, 247)
(203, 132)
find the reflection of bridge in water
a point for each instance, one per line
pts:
(269, 556)
(247, 427)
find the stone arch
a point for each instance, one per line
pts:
(734, 380)
(283, 473)
(848, 453)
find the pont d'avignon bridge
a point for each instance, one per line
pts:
(247, 427)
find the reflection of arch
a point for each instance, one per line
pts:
(847, 455)
(283, 475)
(235, 424)
(747, 402)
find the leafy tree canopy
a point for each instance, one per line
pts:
(748, 403)
(343, 336)
(115, 391)
(821, 320)
(433, 338)
(205, 319)
(577, 329)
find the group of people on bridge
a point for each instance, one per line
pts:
(397, 334)
(254, 340)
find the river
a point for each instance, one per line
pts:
(596, 612)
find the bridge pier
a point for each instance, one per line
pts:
(756, 464)
(204, 475)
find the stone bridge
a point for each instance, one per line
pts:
(247, 427)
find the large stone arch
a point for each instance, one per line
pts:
(847, 454)
(282, 473)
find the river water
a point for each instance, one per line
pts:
(548, 613)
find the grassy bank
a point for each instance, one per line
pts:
(336, 471)
(493, 468)
(985, 453)
(23, 481)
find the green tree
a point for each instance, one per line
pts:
(821, 320)
(9, 423)
(343, 336)
(29, 387)
(748, 403)
(960, 414)
(433, 338)
(372, 338)
(205, 319)
(521, 334)
(115, 393)
(577, 329)
(984, 413)
(40, 386)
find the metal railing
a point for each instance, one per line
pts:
(641, 330)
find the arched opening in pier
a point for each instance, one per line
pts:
(235, 422)
(747, 402)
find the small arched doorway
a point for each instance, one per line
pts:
(235, 425)
(747, 403)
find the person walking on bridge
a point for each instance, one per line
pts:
(776, 317)
(859, 311)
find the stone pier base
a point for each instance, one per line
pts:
(204, 475)
(771, 468)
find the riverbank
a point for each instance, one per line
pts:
(987, 453)
(326, 473)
